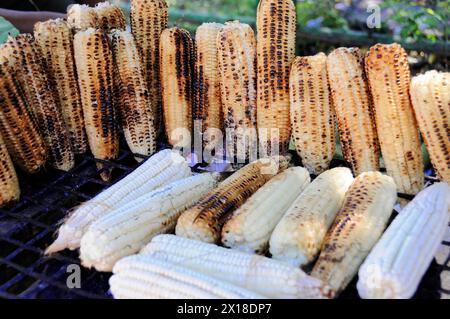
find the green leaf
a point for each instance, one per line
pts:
(6, 28)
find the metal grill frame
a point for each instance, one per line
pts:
(27, 227)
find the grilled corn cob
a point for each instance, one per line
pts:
(396, 265)
(127, 229)
(205, 219)
(312, 114)
(135, 107)
(9, 184)
(263, 275)
(143, 277)
(237, 59)
(94, 63)
(148, 20)
(359, 224)
(81, 17)
(32, 73)
(298, 236)
(250, 226)
(177, 58)
(161, 169)
(430, 94)
(207, 98)
(389, 78)
(276, 24)
(109, 16)
(17, 124)
(55, 40)
(354, 110)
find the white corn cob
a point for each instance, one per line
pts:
(312, 114)
(109, 16)
(81, 17)
(359, 224)
(144, 277)
(299, 235)
(127, 229)
(161, 169)
(430, 94)
(251, 225)
(399, 260)
(263, 275)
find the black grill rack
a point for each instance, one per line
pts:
(27, 227)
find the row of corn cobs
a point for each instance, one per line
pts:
(59, 91)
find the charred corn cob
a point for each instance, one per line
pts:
(81, 17)
(389, 78)
(127, 229)
(109, 16)
(359, 224)
(161, 169)
(299, 235)
(143, 277)
(250, 226)
(177, 71)
(354, 110)
(148, 20)
(237, 59)
(396, 265)
(94, 63)
(430, 94)
(263, 275)
(135, 107)
(205, 219)
(32, 73)
(312, 114)
(276, 28)
(9, 184)
(207, 98)
(55, 40)
(17, 124)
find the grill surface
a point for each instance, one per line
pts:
(27, 228)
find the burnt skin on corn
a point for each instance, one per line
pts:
(148, 20)
(110, 16)
(56, 42)
(9, 184)
(17, 124)
(354, 109)
(32, 72)
(177, 70)
(276, 27)
(389, 79)
(94, 61)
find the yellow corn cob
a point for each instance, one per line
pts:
(237, 58)
(177, 57)
(276, 24)
(56, 42)
(135, 107)
(94, 63)
(430, 94)
(250, 226)
(18, 126)
(9, 184)
(312, 114)
(81, 17)
(144, 277)
(148, 20)
(207, 98)
(354, 110)
(299, 235)
(39, 91)
(359, 224)
(389, 78)
(110, 16)
(204, 220)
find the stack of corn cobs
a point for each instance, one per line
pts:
(66, 87)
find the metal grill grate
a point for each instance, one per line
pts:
(27, 228)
